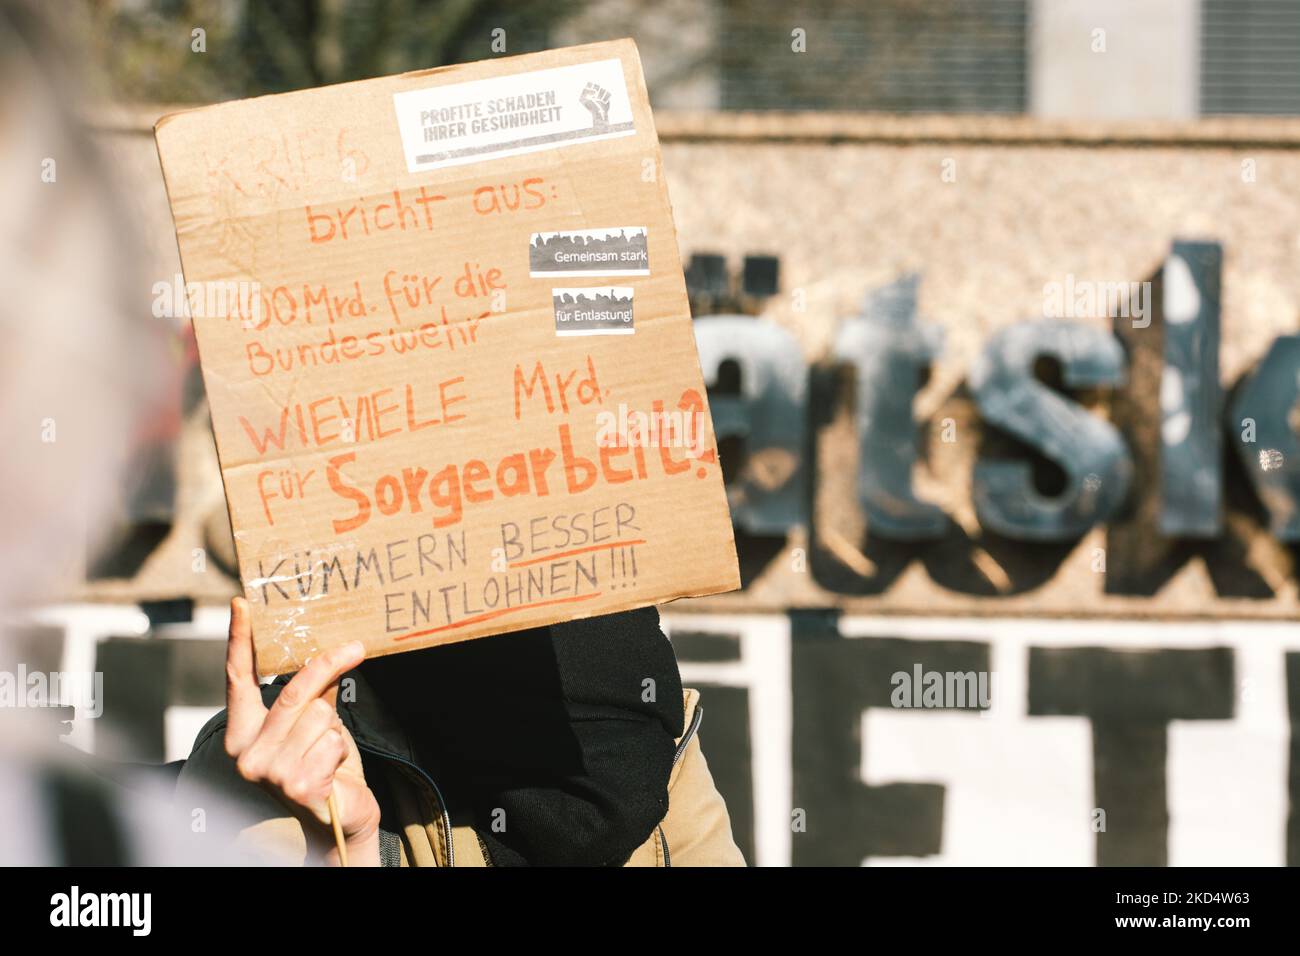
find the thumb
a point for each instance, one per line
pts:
(245, 712)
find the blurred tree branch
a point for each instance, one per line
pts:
(270, 46)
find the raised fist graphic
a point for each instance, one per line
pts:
(596, 99)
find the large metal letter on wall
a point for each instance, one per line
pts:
(769, 414)
(890, 351)
(1090, 450)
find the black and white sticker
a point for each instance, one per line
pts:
(602, 310)
(508, 115)
(620, 251)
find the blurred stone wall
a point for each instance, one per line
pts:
(988, 212)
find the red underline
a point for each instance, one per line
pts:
(567, 554)
(492, 614)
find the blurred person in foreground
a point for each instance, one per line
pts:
(80, 374)
(569, 744)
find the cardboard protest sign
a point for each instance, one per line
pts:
(445, 338)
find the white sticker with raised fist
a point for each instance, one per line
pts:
(508, 115)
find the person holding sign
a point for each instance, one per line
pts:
(572, 744)
(412, 431)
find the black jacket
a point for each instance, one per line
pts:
(554, 743)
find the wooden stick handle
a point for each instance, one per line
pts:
(333, 806)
